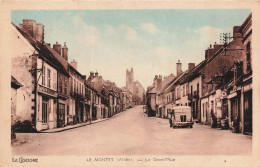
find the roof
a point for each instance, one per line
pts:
(47, 53)
(166, 82)
(64, 64)
(96, 84)
(87, 83)
(137, 82)
(15, 83)
(153, 90)
(193, 73)
(75, 70)
(174, 82)
(246, 21)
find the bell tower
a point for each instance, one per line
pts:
(130, 80)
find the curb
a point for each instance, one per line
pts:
(62, 130)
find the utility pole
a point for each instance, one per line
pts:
(225, 39)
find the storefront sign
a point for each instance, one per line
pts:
(48, 91)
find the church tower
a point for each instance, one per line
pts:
(130, 80)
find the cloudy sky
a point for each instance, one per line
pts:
(150, 41)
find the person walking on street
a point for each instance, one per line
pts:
(170, 120)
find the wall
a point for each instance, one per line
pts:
(194, 83)
(222, 63)
(53, 76)
(139, 87)
(21, 65)
(205, 108)
(184, 94)
(153, 102)
(13, 103)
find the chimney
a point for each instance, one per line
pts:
(132, 69)
(29, 27)
(96, 74)
(39, 32)
(159, 83)
(91, 73)
(48, 44)
(236, 32)
(209, 52)
(73, 64)
(178, 65)
(217, 47)
(191, 66)
(65, 52)
(155, 80)
(57, 48)
(91, 76)
(206, 54)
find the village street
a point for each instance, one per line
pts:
(133, 133)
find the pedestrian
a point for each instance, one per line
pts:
(214, 121)
(170, 120)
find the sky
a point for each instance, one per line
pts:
(149, 41)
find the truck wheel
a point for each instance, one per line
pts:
(173, 127)
(191, 126)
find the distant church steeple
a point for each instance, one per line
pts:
(130, 80)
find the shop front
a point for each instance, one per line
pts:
(94, 112)
(87, 112)
(234, 100)
(62, 113)
(46, 109)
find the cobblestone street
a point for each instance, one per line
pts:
(133, 133)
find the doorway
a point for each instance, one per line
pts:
(248, 112)
(44, 113)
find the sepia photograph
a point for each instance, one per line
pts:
(131, 85)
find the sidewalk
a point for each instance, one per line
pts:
(68, 127)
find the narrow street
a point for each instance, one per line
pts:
(133, 133)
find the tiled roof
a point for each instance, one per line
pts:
(45, 51)
(166, 82)
(174, 82)
(153, 90)
(193, 73)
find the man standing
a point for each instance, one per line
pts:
(170, 120)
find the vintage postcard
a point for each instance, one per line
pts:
(130, 84)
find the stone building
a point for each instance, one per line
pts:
(36, 68)
(219, 63)
(161, 97)
(151, 100)
(239, 88)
